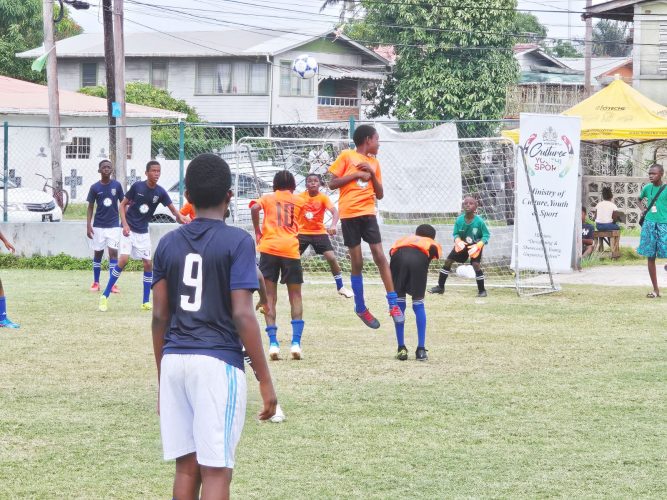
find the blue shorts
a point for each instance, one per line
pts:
(653, 240)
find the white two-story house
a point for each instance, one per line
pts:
(234, 76)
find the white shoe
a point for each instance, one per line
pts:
(274, 352)
(348, 294)
(278, 416)
(295, 350)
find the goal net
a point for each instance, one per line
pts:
(425, 175)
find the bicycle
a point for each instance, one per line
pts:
(60, 195)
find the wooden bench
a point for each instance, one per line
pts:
(613, 238)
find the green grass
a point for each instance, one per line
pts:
(76, 211)
(556, 396)
(629, 257)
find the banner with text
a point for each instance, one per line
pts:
(549, 146)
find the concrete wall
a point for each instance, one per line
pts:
(650, 77)
(61, 237)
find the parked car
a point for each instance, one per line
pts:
(240, 213)
(28, 205)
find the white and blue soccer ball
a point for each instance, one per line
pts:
(305, 66)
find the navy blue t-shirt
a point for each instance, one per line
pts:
(143, 202)
(203, 262)
(587, 231)
(107, 197)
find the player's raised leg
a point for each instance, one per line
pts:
(330, 257)
(385, 273)
(357, 280)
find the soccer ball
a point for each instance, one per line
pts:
(465, 271)
(305, 66)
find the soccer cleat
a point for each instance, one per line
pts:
(295, 351)
(396, 314)
(420, 354)
(115, 289)
(345, 292)
(274, 352)
(8, 323)
(437, 289)
(103, 304)
(146, 306)
(369, 320)
(402, 354)
(95, 287)
(482, 293)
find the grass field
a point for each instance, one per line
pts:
(556, 396)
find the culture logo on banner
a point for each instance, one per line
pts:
(549, 145)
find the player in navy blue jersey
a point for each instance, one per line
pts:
(203, 285)
(136, 211)
(104, 231)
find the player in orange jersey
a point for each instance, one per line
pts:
(313, 232)
(410, 257)
(357, 174)
(278, 244)
(188, 211)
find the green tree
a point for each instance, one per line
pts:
(611, 39)
(529, 28)
(21, 29)
(563, 48)
(454, 60)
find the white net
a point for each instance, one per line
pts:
(425, 175)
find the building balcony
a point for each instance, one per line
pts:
(338, 108)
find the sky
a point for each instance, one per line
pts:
(202, 15)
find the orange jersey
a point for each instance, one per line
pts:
(311, 220)
(188, 210)
(280, 228)
(357, 198)
(421, 243)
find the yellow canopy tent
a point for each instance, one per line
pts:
(616, 113)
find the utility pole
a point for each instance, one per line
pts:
(107, 19)
(119, 68)
(588, 51)
(54, 104)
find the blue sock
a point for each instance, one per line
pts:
(115, 274)
(391, 299)
(272, 332)
(148, 281)
(420, 314)
(339, 281)
(112, 263)
(97, 267)
(358, 289)
(400, 327)
(297, 330)
(3, 308)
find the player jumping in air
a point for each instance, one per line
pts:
(470, 236)
(357, 174)
(313, 232)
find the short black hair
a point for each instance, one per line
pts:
(425, 230)
(284, 180)
(606, 193)
(99, 165)
(362, 133)
(318, 176)
(656, 165)
(208, 180)
(151, 163)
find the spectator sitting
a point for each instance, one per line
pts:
(607, 213)
(586, 235)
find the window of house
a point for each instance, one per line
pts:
(129, 143)
(79, 149)
(232, 77)
(88, 74)
(291, 84)
(159, 74)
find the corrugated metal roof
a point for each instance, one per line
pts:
(336, 72)
(25, 98)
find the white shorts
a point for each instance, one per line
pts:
(136, 245)
(105, 237)
(202, 408)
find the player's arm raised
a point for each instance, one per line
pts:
(248, 330)
(336, 182)
(377, 183)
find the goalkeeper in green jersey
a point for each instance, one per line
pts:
(470, 236)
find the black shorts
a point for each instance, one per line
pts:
(409, 271)
(320, 242)
(462, 256)
(364, 227)
(273, 267)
